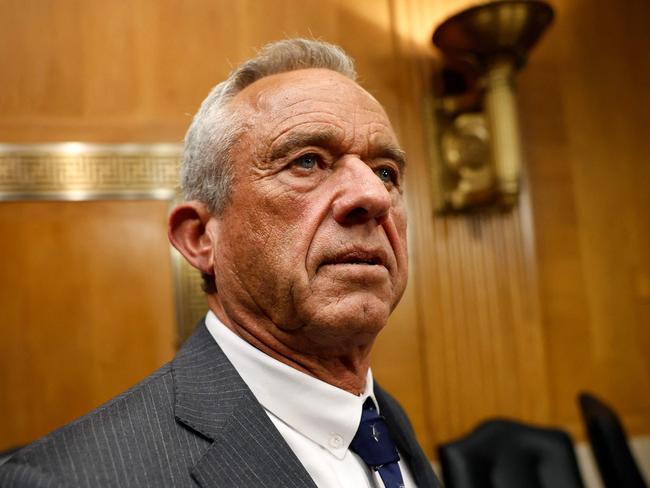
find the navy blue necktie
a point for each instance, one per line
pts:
(373, 444)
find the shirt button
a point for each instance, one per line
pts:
(336, 441)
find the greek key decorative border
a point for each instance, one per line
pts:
(85, 171)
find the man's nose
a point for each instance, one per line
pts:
(362, 195)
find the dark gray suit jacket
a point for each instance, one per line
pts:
(194, 422)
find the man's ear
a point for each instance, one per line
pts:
(187, 231)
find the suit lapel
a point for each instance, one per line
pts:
(213, 400)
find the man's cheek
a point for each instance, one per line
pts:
(288, 207)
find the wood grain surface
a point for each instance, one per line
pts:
(86, 308)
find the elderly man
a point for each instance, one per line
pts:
(294, 214)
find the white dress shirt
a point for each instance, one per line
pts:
(316, 419)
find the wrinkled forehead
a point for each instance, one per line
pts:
(309, 90)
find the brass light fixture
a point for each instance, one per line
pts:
(484, 46)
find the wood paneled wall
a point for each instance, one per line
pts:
(505, 314)
(85, 308)
(585, 117)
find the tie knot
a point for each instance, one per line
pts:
(372, 442)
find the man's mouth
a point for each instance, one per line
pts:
(361, 258)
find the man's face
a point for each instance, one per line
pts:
(314, 234)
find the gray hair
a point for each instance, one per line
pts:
(206, 172)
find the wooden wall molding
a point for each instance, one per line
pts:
(85, 171)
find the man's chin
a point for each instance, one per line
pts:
(354, 315)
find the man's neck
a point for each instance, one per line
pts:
(344, 366)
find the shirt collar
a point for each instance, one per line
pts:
(327, 415)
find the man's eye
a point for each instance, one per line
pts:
(307, 161)
(387, 175)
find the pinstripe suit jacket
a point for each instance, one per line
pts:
(194, 422)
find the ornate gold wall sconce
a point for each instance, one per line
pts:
(483, 46)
